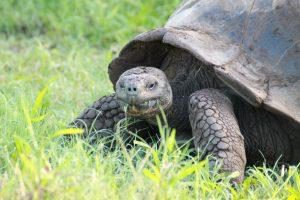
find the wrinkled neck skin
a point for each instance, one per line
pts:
(177, 114)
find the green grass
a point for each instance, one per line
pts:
(53, 63)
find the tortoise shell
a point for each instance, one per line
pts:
(253, 47)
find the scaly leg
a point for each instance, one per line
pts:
(105, 113)
(102, 114)
(99, 119)
(216, 130)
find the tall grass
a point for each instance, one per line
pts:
(99, 23)
(53, 60)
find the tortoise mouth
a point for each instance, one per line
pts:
(147, 108)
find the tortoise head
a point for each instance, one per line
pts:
(141, 90)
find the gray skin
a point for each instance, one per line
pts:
(199, 106)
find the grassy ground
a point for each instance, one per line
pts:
(53, 59)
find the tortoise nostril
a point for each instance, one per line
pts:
(132, 89)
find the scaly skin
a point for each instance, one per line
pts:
(105, 113)
(102, 114)
(99, 119)
(216, 130)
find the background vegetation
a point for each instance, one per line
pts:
(53, 59)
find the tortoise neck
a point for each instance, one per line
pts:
(187, 75)
(178, 114)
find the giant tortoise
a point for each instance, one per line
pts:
(225, 72)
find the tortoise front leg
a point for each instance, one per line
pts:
(216, 130)
(102, 114)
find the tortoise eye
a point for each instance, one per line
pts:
(122, 86)
(151, 86)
